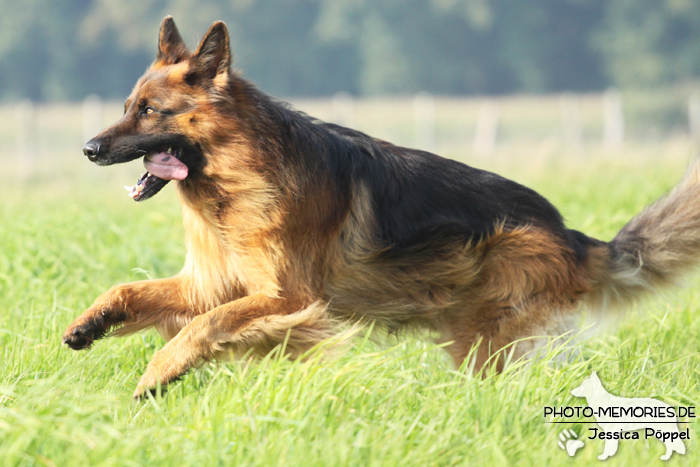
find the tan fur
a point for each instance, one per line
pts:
(274, 257)
(499, 290)
(654, 250)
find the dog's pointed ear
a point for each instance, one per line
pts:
(594, 375)
(212, 59)
(171, 48)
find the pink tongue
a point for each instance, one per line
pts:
(165, 166)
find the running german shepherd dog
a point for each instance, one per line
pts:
(293, 225)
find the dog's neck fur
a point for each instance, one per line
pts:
(244, 205)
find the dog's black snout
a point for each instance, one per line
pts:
(91, 150)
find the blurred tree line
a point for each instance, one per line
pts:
(51, 50)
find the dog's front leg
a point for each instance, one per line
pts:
(137, 305)
(256, 321)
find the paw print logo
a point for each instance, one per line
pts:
(569, 443)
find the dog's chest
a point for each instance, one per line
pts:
(221, 265)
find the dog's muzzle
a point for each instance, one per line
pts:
(91, 150)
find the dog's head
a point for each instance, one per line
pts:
(169, 110)
(589, 386)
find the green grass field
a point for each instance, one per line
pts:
(66, 239)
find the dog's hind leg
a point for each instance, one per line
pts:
(255, 322)
(527, 286)
(134, 306)
(469, 339)
(478, 347)
(493, 335)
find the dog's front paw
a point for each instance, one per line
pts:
(81, 335)
(152, 383)
(168, 365)
(154, 389)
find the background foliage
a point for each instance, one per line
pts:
(66, 50)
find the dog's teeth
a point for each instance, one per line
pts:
(128, 188)
(170, 150)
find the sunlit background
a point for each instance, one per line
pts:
(471, 79)
(593, 103)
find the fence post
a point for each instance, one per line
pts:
(486, 134)
(92, 117)
(571, 121)
(694, 116)
(424, 120)
(25, 115)
(343, 109)
(613, 119)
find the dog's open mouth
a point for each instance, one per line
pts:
(162, 165)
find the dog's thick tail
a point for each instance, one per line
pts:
(653, 250)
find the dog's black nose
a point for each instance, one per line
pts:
(91, 149)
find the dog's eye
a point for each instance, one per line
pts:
(148, 110)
